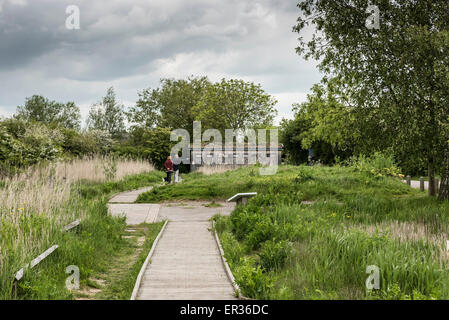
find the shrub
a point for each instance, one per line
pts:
(27, 145)
(304, 175)
(253, 282)
(232, 248)
(264, 229)
(379, 164)
(158, 143)
(273, 254)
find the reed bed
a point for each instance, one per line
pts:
(37, 203)
(95, 169)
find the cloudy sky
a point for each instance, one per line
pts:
(131, 44)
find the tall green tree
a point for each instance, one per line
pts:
(41, 109)
(108, 115)
(397, 72)
(330, 119)
(324, 123)
(170, 105)
(235, 104)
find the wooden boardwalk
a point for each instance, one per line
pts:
(186, 263)
(129, 196)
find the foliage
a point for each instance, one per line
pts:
(158, 144)
(27, 144)
(279, 247)
(89, 246)
(290, 137)
(323, 124)
(169, 106)
(273, 254)
(110, 168)
(229, 104)
(330, 119)
(252, 280)
(87, 143)
(108, 115)
(405, 90)
(304, 175)
(38, 108)
(235, 104)
(379, 164)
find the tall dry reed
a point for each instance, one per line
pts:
(35, 203)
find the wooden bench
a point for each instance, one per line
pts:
(242, 198)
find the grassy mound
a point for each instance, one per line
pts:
(312, 232)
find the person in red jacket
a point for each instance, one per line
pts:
(169, 169)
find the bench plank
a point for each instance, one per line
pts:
(239, 196)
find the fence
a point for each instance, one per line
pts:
(422, 183)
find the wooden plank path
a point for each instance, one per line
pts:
(129, 196)
(123, 204)
(186, 263)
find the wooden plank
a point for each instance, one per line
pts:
(71, 225)
(242, 195)
(35, 262)
(225, 263)
(179, 269)
(146, 262)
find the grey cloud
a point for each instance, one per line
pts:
(132, 43)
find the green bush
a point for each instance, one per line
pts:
(153, 144)
(304, 175)
(379, 164)
(253, 282)
(26, 145)
(263, 230)
(232, 248)
(273, 254)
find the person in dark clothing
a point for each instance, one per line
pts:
(169, 169)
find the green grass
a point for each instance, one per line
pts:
(89, 246)
(280, 248)
(125, 265)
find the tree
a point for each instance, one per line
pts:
(158, 143)
(291, 138)
(322, 123)
(169, 106)
(108, 115)
(329, 119)
(397, 73)
(235, 104)
(38, 108)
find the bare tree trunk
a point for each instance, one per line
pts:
(444, 186)
(432, 191)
